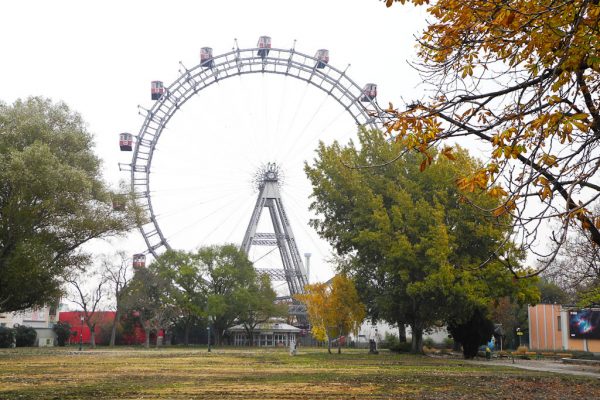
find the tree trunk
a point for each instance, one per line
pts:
(113, 331)
(339, 342)
(186, 335)
(92, 337)
(329, 344)
(402, 332)
(417, 340)
(147, 343)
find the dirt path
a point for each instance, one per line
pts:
(547, 366)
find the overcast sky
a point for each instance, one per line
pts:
(100, 56)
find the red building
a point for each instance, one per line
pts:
(104, 320)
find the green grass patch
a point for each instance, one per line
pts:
(182, 373)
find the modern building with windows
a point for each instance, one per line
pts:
(267, 334)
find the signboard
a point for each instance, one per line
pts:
(584, 324)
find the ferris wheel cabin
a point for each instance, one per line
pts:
(139, 261)
(126, 141)
(156, 90)
(322, 57)
(369, 93)
(206, 57)
(264, 45)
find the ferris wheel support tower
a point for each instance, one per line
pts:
(269, 196)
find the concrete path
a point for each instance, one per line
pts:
(547, 366)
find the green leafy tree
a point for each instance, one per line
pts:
(63, 332)
(258, 302)
(228, 272)
(418, 254)
(188, 289)
(52, 200)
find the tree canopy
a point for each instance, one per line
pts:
(334, 309)
(52, 200)
(216, 283)
(523, 77)
(417, 253)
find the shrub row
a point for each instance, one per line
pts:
(20, 336)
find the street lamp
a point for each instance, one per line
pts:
(81, 334)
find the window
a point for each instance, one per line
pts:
(559, 327)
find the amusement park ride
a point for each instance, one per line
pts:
(359, 102)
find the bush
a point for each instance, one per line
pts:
(402, 347)
(63, 332)
(7, 337)
(25, 336)
(429, 342)
(389, 341)
(448, 343)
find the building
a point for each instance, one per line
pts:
(41, 319)
(104, 321)
(560, 328)
(267, 334)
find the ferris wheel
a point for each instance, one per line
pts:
(359, 102)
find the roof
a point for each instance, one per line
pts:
(268, 326)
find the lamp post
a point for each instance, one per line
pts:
(81, 334)
(208, 330)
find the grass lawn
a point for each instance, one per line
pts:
(180, 373)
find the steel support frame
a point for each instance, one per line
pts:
(332, 81)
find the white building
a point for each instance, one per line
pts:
(41, 319)
(268, 334)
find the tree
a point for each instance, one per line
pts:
(228, 271)
(89, 291)
(472, 333)
(117, 275)
(188, 285)
(63, 332)
(52, 200)
(576, 269)
(146, 296)
(258, 300)
(334, 309)
(524, 78)
(417, 253)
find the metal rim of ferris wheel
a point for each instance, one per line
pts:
(359, 102)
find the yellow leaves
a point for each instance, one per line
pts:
(334, 305)
(545, 192)
(548, 160)
(426, 161)
(505, 18)
(447, 152)
(478, 181)
(554, 99)
(497, 191)
(507, 207)
(467, 70)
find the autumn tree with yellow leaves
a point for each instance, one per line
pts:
(334, 309)
(523, 77)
